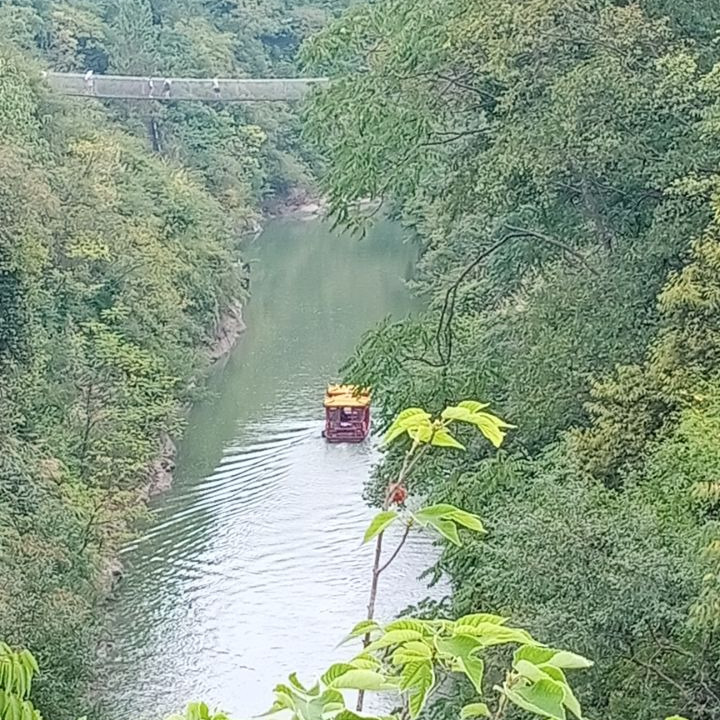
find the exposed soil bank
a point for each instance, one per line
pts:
(227, 332)
(299, 203)
(160, 471)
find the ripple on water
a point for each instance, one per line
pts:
(256, 569)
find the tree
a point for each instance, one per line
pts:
(556, 163)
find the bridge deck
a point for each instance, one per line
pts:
(159, 88)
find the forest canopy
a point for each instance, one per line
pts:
(558, 164)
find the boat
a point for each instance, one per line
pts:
(347, 413)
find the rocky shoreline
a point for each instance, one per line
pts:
(308, 205)
(300, 204)
(224, 338)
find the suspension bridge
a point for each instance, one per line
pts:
(130, 87)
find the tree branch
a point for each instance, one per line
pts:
(663, 676)
(516, 232)
(451, 137)
(469, 88)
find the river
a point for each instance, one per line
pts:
(251, 566)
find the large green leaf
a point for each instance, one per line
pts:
(394, 637)
(413, 673)
(365, 661)
(408, 624)
(549, 656)
(442, 438)
(473, 710)
(474, 668)
(281, 703)
(491, 427)
(417, 679)
(535, 654)
(467, 520)
(434, 511)
(381, 521)
(352, 715)
(469, 411)
(296, 683)
(448, 529)
(489, 634)
(364, 627)
(463, 649)
(330, 696)
(569, 661)
(444, 513)
(334, 672)
(529, 671)
(309, 710)
(457, 412)
(357, 679)
(457, 645)
(422, 432)
(476, 619)
(414, 651)
(405, 421)
(570, 701)
(29, 660)
(473, 405)
(544, 698)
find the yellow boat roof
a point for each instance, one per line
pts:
(346, 396)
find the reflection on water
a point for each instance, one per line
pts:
(252, 566)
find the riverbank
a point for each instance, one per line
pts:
(305, 205)
(160, 470)
(299, 204)
(223, 339)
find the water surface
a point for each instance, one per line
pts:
(252, 565)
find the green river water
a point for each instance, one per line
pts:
(251, 566)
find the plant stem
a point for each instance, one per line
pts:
(502, 705)
(409, 462)
(371, 604)
(397, 549)
(374, 583)
(510, 680)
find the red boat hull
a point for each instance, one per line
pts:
(351, 425)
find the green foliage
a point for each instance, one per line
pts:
(557, 164)
(421, 428)
(379, 524)
(115, 267)
(17, 670)
(199, 711)
(446, 519)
